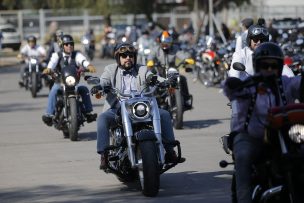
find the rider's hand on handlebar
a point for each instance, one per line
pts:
(47, 71)
(91, 68)
(96, 89)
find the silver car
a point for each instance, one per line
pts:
(11, 37)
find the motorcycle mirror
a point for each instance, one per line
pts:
(92, 80)
(238, 66)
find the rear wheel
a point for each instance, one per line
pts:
(148, 169)
(72, 119)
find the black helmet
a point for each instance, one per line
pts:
(32, 38)
(67, 39)
(268, 50)
(257, 31)
(124, 48)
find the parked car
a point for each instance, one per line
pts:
(286, 23)
(11, 37)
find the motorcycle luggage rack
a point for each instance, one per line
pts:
(168, 166)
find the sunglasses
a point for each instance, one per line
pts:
(258, 31)
(257, 39)
(125, 55)
(70, 43)
(266, 65)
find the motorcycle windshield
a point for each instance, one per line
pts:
(69, 71)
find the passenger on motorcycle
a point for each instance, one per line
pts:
(256, 35)
(165, 49)
(68, 55)
(55, 44)
(126, 75)
(31, 49)
(251, 106)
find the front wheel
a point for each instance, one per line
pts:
(177, 111)
(34, 84)
(148, 168)
(72, 119)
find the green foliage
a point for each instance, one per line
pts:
(106, 7)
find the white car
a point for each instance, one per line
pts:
(11, 37)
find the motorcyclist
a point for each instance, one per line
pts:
(252, 105)
(167, 49)
(144, 42)
(126, 76)
(89, 35)
(256, 35)
(241, 39)
(31, 49)
(68, 55)
(54, 44)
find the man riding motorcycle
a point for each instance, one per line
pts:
(30, 50)
(256, 36)
(68, 55)
(251, 108)
(167, 49)
(126, 76)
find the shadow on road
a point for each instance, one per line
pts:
(87, 136)
(5, 108)
(197, 124)
(211, 187)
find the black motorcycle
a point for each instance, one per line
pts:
(70, 110)
(171, 98)
(279, 175)
(32, 79)
(89, 46)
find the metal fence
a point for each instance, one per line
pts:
(43, 22)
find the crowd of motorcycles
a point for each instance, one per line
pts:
(136, 149)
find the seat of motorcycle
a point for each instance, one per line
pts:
(290, 114)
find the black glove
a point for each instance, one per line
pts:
(96, 89)
(151, 79)
(233, 83)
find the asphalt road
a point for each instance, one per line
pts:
(38, 165)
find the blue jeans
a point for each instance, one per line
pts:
(82, 90)
(247, 151)
(107, 119)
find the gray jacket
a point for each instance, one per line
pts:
(112, 77)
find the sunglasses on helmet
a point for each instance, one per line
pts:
(258, 31)
(125, 49)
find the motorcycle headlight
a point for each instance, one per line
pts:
(141, 110)
(147, 51)
(70, 81)
(85, 41)
(33, 61)
(296, 133)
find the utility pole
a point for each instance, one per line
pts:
(211, 31)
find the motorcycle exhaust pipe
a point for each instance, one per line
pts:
(270, 193)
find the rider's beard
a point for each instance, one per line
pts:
(127, 65)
